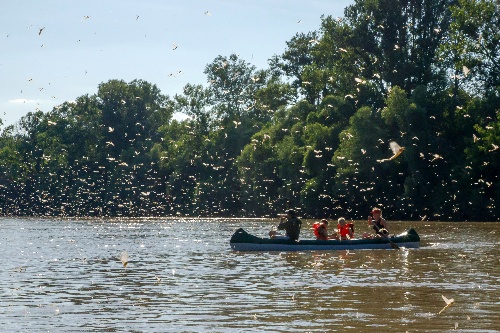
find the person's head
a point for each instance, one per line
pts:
(376, 211)
(324, 221)
(290, 213)
(341, 221)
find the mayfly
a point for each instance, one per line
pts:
(396, 151)
(448, 302)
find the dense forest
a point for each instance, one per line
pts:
(310, 132)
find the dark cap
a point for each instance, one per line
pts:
(291, 212)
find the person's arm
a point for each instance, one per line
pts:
(282, 225)
(384, 224)
(337, 235)
(323, 232)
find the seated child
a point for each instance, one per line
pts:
(320, 229)
(344, 230)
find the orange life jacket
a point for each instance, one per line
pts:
(344, 231)
(316, 227)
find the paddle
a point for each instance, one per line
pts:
(393, 245)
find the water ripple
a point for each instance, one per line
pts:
(67, 276)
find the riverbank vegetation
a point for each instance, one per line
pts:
(308, 132)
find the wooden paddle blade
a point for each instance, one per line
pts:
(394, 245)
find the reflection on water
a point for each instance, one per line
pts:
(68, 276)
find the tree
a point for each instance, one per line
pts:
(233, 83)
(473, 45)
(296, 57)
(402, 38)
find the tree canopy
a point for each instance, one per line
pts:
(311, 132)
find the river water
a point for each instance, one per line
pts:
(181, 276)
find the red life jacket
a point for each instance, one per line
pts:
(344, 231)
(316, 227)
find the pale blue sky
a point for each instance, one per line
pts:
(86, 42)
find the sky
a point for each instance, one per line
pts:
(57, 50)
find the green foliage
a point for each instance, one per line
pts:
(312, 132)
(474, 44)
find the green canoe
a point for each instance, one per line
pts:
(243, 241)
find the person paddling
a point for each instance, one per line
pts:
(291, 224)
(378, 223)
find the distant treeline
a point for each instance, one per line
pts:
(306, 133)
